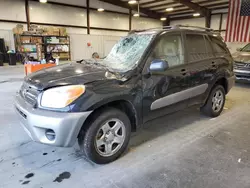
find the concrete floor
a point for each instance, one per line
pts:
(182, 150)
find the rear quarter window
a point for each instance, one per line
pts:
(218, 46)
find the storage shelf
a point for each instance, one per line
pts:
(55, 36)
(43, 36)
(59, 52)
(29, 52)
(32, 43)
(57, 43)
(44, 43)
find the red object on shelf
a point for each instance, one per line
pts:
(30, 68)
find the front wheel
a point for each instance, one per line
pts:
(107, 136)
(215, 102)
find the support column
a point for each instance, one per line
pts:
(130, 19)
(88, 20)
(208, 20)
(220, 26)
(167, 22)
(27, 11)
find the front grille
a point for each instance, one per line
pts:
(29, 93)
(242, 66)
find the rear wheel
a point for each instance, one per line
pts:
(215, 102)
(107, 137)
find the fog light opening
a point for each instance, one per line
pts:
(50, 135)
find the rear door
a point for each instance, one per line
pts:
(223, 58)
(163, 91)
(200, 60)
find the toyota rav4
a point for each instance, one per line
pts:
(147, 74)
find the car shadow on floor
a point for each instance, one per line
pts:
(243, 84)
(164, 125)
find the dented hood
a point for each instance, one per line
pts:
(72, 73)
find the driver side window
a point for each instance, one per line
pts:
(170, 49)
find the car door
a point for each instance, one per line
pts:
(200, 60)
(222, 55)
(163, 91)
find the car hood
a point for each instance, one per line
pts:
(71, 73)
(242, 57)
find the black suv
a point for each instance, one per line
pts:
(147, 74)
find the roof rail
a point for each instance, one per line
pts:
(176, 27)
(195, 27)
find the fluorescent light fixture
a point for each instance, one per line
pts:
(136, 15)
(100, 9)
(132, 2)
(43, 1)
(196, 14)
(169, 9)
(163, 19)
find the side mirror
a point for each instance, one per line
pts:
(158, 65)
(238, 49)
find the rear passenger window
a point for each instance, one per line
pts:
(196, 47)
(218, 46)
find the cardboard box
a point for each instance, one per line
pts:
(56, 31)
(18, 29)
(63, 31)
(36, 40)
(49, 30)
(25, 39)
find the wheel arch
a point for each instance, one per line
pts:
(123, 105)
(220, 80)
(223, 82)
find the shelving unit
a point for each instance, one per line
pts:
(59, 45)
(37, 46)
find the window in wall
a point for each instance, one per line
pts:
(196, 47)
(218, 46)
(170, 49)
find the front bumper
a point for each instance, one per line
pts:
(36, 122)
(242, 75)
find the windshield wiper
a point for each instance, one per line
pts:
(82, 60)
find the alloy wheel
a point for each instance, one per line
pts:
(217, 101)
(110, 137)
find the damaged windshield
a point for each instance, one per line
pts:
(125, 55)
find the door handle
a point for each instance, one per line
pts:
(214, 65)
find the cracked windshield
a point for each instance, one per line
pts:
(127, 52)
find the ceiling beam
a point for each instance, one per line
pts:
(150, 2)
(151, 14)
(167, 5)
(160, 7)
(196, 7)
(210, 6)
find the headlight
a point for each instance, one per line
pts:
(61, 97)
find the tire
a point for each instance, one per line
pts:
(208, 109)
(99, 137)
